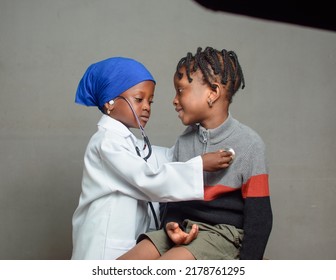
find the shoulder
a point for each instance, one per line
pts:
(251, 135)
(248, 140)
(104, 140)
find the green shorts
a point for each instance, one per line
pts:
(218, 242)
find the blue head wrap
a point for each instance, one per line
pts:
(107, 79)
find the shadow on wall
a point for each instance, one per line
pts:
(306, 13)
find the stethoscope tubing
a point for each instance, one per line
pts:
(149, 147)
(144, 136)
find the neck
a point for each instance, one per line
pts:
(215, 120)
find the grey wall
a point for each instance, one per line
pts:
(46, 45)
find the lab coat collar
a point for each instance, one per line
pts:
(113, 125)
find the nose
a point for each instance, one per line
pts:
(175, 101)
(146, 106)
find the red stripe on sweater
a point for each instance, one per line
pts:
(211, 192)
(256, 186)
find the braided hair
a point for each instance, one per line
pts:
(216, 66)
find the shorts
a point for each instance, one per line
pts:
(218, 242)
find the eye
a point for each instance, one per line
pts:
(179, 91)
(138, 99)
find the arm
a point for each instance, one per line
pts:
(160, 155)
(257, 210)
(211, 161)
(174, 181)
(257, 227)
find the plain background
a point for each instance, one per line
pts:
(45, 47)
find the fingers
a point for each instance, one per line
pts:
(171, 226)
(178, 236)
(195, 229)
(192, 234)
(233, 154)
(227, 152)
(226, 156)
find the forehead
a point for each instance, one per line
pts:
(145, 87)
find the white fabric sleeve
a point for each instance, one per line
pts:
(174, 181)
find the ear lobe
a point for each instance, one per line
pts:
(108, 106)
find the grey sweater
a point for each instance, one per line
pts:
(238, 195)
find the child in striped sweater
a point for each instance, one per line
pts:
(234, 220)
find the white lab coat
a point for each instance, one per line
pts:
(116, 187)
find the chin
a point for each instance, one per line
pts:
(143, 124)
(186, 123)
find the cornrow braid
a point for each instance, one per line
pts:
(188, 62)
(238, 69)
(204, 61)
(215, 66)
(226, 70)
(199, 50)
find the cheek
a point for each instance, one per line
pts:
(125, 113)
(196, 105)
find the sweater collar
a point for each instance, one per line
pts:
(218, 134)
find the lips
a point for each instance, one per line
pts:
(144, 118)
(179, 111)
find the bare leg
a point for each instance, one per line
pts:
(177, 253)
(144, 250)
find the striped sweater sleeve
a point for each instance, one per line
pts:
(258, 216)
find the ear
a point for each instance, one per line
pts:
(108, 107)
(214, 93)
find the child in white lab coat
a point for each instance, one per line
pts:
(119, 179)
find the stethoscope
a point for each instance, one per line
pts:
(147, 145)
